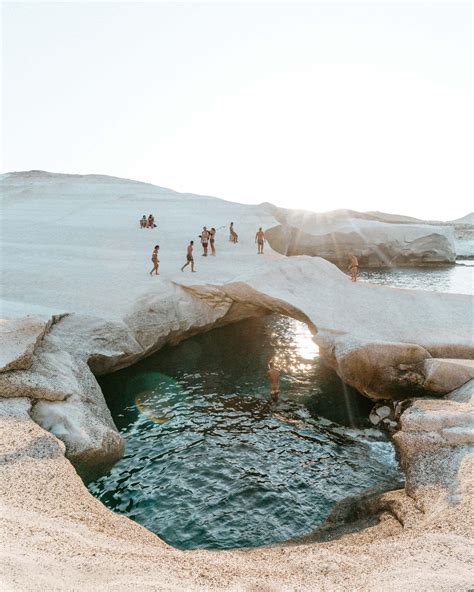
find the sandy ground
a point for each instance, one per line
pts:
(56, 536)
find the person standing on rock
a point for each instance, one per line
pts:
(353, 267)
(274, 378)
(204, 240)
(189, 257)
(155, 261)
(234, 237)
(260, 240)
(212, 239)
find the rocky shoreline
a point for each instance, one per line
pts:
(389, 343)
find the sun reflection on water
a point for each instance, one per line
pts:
(294, 347)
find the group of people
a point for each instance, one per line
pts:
(147, 222)
(208, 238)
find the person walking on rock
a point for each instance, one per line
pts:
(212, 240)
(260, 240)
(353, 267)
(154, 258)
(189, 257)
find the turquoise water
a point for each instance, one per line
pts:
(211, 463)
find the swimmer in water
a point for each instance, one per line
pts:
(274, 378)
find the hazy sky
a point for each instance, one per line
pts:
(313, 105)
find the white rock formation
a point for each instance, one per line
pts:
(376, 243)
(376, 338)
(446, 375)
(81, 266)
(19, 339)
(436, 443)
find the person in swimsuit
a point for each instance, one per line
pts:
(234, 237)
(189, 257)
(151, 221)
(260, 239)
(212, 238)
(353, 266)
(154, 258)
(143, 222)
(274, 378)
(204, 240)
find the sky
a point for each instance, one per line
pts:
(315, 105)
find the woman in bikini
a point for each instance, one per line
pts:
(212, 238)
(154, 258)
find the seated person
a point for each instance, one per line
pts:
(143, 221)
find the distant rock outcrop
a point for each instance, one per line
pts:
(376, 243)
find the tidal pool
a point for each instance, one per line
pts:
(211, 463)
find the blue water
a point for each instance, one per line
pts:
(211, 463)
(457, 278)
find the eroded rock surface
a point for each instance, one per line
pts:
(19, 338)
(446, 375)
(436, 446)
(376, 243)
(386, 342)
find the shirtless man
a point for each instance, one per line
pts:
(353, 266)
(260, 239)
(204, 240)
(189, 257)
(274, 378)
(212, 240)
(154, 258)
